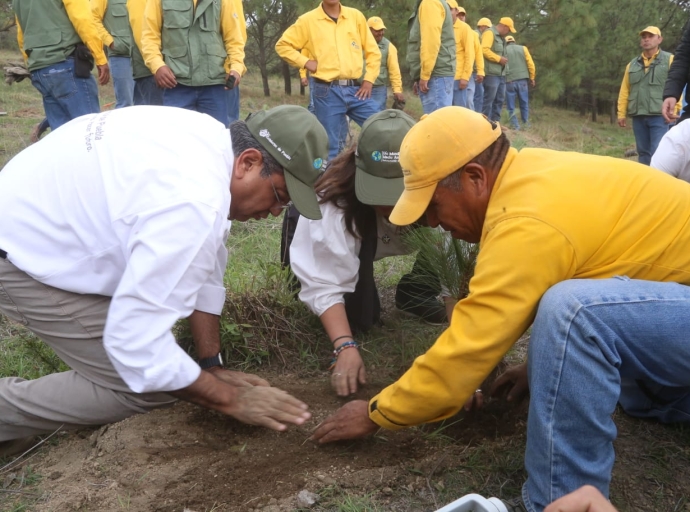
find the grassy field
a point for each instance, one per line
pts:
(265, 330)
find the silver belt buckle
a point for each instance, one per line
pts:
(342, 82)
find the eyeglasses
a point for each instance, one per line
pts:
(283, 206)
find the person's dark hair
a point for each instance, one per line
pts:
(492, 158)
(337, 186)
(242, 140)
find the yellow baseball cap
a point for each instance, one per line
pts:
(510, 39)
(376, 23)
(462, 10)
(462, 133)
(452, 4)
(652, 30)
(508, 22)
(484, 22)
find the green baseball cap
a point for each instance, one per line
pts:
(298, 142)
(379, 177)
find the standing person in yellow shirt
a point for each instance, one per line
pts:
(482, 26)
(204, 52)
(477, 76)
(339, 41)
(390, 68)
(233, 93)
(146, 92)
(641, 94)
(495, 60)
(55, 37)
(464, 56)
(112, 23)
(520, 75)
(578, 246)
(431, 53)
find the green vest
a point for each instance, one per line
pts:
(445, 61)
(517, 63)
(647, 89)
(192, 44)
(49, 36)
(382, 79)
(499, 48)
(139, 69)
(116, 22)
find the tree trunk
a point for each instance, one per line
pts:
(285, 68)
(302, 89)
(594, 107)
(264, 81)
(613, 112)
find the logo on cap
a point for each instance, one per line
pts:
(376, 156)
(264, 133)
(318, 163)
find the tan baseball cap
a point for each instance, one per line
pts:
(462, 133)
(484, 22)
(651, 30)
(452, 4)
(376, 23)
(510, 39)
(508, 22)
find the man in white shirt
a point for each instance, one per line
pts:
(672, 156)
(114, 228)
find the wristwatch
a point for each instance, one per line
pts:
(210, 362)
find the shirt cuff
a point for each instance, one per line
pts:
(377, 416)
(210, 299)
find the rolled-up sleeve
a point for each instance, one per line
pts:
(169, 273)
(324, 257)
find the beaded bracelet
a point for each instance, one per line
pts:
(337, 351)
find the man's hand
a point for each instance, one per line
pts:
(237, 78)
(348, 371)
(304, 81)
(621, 123)
(533, 83)
(103, 74)
(462, 84)
(311, 66)
(423, 86)
(668, 110)
(364, 91)
(165, 78)
(512, 383)
(267, 407)
(351, 421)
(238, 379)
(399, 97)
(503, 61)
(479, 79)
(585, 499)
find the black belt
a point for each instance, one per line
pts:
(344, 83)
(3, 254)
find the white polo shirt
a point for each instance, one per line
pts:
(672, 156)
(130, 204)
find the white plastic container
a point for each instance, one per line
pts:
(475, 503)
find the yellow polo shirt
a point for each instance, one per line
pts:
(552, 216)
(487, 43)
(478, 55)
(339, 48)
(394, 74)
(464, 45)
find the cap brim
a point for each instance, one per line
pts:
(512, 30)
(303, 197)
(412, 205)
(377, 191)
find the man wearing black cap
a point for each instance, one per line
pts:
(103, 250)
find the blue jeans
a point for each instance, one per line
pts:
(380, 95)
(64, 95)
(595, 343)
(479, 97)
(519, 89)
(146, 92)
(123, 83)
(459, 95)
(310, 108)
(207, 99)
(471, 86)
(233, 104)
(332, 105)
(494, 96)
(648, 132)
(440, 94)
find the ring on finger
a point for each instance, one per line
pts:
(337, 374)
(477, 391)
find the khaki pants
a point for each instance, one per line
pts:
(92, 393)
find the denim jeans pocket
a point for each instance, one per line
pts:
(60, 83)
(321, 90)
(9, 308)
(448, 85)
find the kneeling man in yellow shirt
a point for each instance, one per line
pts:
(579, 247)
